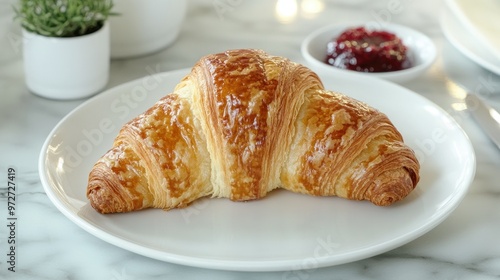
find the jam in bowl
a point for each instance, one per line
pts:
(365, 50)
(392, 52)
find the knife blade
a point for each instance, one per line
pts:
(486, 116)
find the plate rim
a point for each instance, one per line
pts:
(241, 265)
(447, 19)
(459, 14)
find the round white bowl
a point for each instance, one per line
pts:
(144, 27)
(421, 50)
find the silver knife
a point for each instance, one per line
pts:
(486, 116)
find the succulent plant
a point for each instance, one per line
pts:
(63, 18)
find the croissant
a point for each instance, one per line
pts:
(243, 123)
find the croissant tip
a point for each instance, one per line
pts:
(386, 201)
(104, 202)
(96, 201)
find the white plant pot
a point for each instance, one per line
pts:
(145, 26)
(67, 68)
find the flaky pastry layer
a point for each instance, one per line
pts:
(243, 123)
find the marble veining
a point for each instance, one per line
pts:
(50, 246)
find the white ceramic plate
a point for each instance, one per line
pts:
(421, 50)
(283, 231)
(467, 43)
(480, 20)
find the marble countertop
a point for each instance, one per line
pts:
(50, 246)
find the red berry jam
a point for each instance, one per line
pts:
(362, 50)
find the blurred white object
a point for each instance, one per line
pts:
(467, 44)
(66, 68)
(421, 50)
(145, 26)
(481, 19)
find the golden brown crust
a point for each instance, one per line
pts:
(345, 148)
(243, 123)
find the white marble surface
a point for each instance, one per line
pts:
(49, 246)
